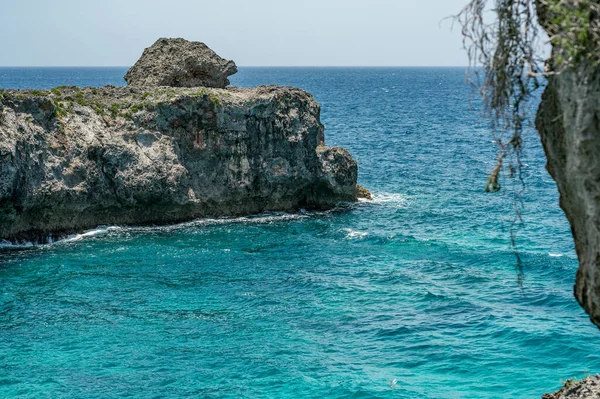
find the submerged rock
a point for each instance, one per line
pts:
(72, 159)
(588, 388)
(180, 63)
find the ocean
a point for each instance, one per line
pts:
(417, 294)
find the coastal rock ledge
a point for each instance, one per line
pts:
(588, 388)
(75, 158)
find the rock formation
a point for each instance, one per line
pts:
(570, 130)
(569, 126)
(588, 388)
(72, 159)
(180, 63)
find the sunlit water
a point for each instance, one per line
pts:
(413, 295)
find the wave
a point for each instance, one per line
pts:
(555, 255)
(353, 234)
(89, 233)
(264, 218)
(4, 244)
(399, 200)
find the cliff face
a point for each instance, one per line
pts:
(568, 121)
(569, 124)
(72, 159)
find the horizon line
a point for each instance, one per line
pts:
(249, 66)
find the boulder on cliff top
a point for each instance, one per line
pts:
(180, 63)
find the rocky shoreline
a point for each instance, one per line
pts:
(75, 158)
(588, 388)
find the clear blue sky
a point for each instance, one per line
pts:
(251, 32)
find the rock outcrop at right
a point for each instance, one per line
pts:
(588, 388)
(569, 125)
(180, 63)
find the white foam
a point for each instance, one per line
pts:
(354, 234)
(400, 200)
(555, 255)
(8, 244)
(51, 241)
(89, 233)
(257, 219)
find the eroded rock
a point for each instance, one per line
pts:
(72, 159)
(180, 63)
(588, 388)
(569, 127)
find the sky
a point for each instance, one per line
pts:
(250, 32)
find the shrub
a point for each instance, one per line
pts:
(115, 109)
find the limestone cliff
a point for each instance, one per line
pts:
(72, 159)
(569, 125)
(568, 120)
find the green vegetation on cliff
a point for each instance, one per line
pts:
(128, 102)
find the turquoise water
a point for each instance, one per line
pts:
(414, 295)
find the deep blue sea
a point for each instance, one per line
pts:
(415, 295)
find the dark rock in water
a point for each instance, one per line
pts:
(363, 193)
(589, 388)
(180, 63)
(72, 159)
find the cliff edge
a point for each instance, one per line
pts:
(75, 158)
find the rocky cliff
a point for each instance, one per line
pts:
(568, 120)
(588, 388)
(569, 125)
(72, 158)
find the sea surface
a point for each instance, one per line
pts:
(417, 294)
